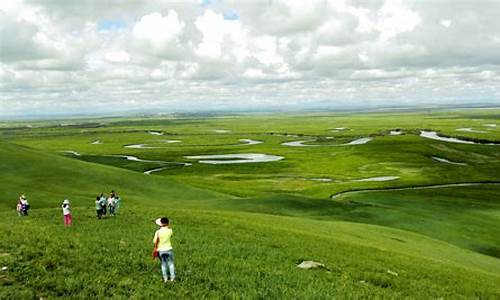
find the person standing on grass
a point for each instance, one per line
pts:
(68, 220)
(98, 207)
(111, 205)
(118, 202)
(103, 203)
(163, 249)
(19, 208)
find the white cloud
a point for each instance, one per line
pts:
(117, 56)
(253, 73)
(446, 23)
(158, 29)
(363, 57)
(26, 34)
(265, 50)
(395, 18)
(184, 54)
(365, 24)
(159, 35)
(221, 38)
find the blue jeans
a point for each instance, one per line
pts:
(167, 263)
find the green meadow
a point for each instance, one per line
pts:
(390, 213)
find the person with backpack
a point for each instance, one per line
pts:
(163, 249)
(68, 220)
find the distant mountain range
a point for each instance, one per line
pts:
(220, 110)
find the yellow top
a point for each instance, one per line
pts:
(164, 234)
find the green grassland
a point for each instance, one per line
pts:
(240, 229)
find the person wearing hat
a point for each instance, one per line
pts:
(67, 213)
(163, 249)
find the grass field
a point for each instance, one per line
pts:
(240, 229)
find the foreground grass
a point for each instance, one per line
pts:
(227, 255)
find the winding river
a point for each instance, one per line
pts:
(434, 136)
(135, 158)
(468, 129)
(149, 172)
(419, 187)
(446, 161)
(244, 142)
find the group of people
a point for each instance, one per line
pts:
(107, 205)
(22, 206)
(104, 205)
(161, 240)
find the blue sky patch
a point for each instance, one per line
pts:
(110, 25)
(231, 15)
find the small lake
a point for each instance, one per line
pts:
(298, 144)
(359, 141)
(380, 178)
(250, 142)
(238, 158)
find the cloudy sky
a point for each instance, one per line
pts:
(64, 56)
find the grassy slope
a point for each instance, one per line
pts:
(229, 254)
(253, 242)
(258, 250)
(465, 216)
(47, 179)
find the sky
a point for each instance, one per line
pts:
(99, 56)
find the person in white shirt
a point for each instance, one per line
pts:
(68, 220)
(111, 205)
(25, 206)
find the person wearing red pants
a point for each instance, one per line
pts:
(68, 220)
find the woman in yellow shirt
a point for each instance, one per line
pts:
(164, 248)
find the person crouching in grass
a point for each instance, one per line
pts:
(67, 213)
(163, 249)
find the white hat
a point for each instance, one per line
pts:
(158, 222)
(66, 201)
